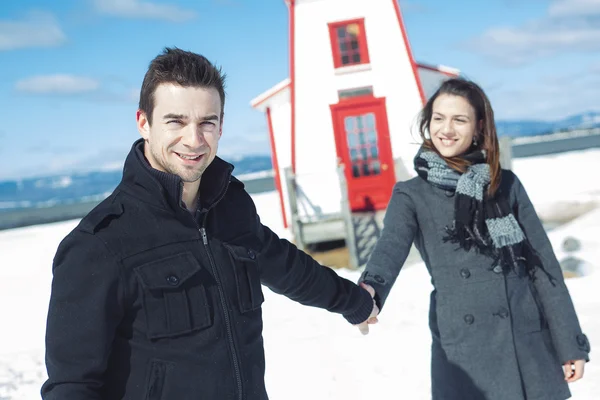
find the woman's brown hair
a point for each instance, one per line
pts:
(487, 138)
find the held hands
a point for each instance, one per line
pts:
(574, 370)
(363, 327)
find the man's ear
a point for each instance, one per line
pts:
(221, 126)
(143, 124)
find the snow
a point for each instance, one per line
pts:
(256, 175)
(561, 185)
(311, 353)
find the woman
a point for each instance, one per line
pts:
(502, 321)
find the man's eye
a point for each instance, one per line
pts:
(174, 121)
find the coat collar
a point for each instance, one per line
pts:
(165, 190)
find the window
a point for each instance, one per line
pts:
(361, 137)
(349, 43)
(356, 92)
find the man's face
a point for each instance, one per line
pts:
(185, 131)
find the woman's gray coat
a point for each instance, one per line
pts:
(495, 335)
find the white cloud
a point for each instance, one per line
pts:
(57, 84)
(143, 9)
(85, 88)
(595, 68)
(549, 98)
(246, 143)
(37, 29)
(133, 95)
(560, 8)
(568, 26)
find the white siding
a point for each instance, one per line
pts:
(317, 84)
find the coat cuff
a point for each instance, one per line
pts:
(379, 284)
(577, 348)
(362, 313)
(583, 344)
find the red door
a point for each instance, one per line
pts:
(363, 145)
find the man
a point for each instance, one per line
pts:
(157, 292)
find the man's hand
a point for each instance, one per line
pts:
(363, 327)
(574, 370)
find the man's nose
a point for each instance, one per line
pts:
(193, 137)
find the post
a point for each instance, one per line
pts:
(347, 216)
(505, 152)
(293, 200)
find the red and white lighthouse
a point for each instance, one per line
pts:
(352, 97)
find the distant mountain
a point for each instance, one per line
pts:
(249, 164)
(47, 191)
(590, 119)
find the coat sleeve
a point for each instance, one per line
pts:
(289, 271)
(387, 259)
(84, 312)
(558, 308)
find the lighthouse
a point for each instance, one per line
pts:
(351, 100)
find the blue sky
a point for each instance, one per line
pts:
(71, 69)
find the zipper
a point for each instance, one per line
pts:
(236, 366)
(202, 229)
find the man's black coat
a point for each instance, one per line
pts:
(150, 301)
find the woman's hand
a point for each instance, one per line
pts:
(573, 370)
(363, 327)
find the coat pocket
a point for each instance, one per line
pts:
(453, 320)
(527, 309)
(156, 378)
(247, 275)
(173, 295)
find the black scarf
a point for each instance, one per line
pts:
(480, 222)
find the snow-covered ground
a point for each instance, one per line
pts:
(562, 185)
(311, 353)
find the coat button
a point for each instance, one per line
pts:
(251, 254)
(172, 280)
(503, 313)
(497, 269)
(449, 193)
(583, 343)
(469, 319)
(465, 273)
(378, 279)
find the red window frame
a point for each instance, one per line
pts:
(362, 42)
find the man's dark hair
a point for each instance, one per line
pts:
(183, 68)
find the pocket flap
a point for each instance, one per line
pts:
(241, 253)
(169, 272)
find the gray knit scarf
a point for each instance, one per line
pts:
(485, 224)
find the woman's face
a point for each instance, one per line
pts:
(453, 125)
